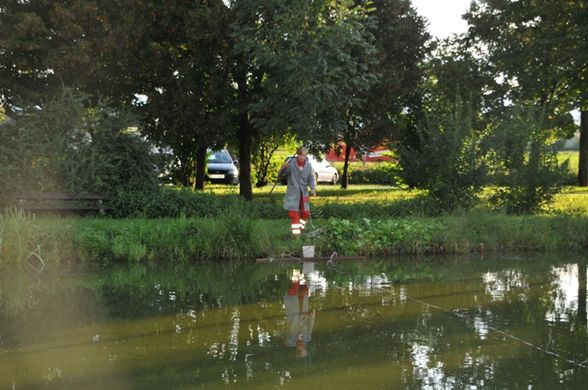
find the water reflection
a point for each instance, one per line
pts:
(568, 300)
(451, 323)
(299, 316)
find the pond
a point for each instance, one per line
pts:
(515, 321)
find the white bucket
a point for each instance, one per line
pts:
(308, 251)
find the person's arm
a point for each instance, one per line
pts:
(312, 183)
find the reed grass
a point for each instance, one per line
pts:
(399, 225)
(177, 240)
(20, 240)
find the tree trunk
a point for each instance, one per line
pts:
(245, 137)
(200, 167)
(185, 172)
(345, 177)
(582, 293)
(583, 163)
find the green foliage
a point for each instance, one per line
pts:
(33, 145)
(369, 237)
(229, 235)
(539, 49)
(161, 202)
(519, 37)
(20, 239)
(63, 146)
(172, 202)
(447, 160)
(265, 166)
(42, 44)
(386, 173)
(185, 76)
(526, 163)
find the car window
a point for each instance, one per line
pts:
(220, 157)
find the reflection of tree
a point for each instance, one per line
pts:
(581, 319)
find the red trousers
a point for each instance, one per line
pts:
(298, 218)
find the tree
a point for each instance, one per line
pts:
(540, 48)
(294, 63)
(454, 72)
(373, 110)
(45, 45)
(173, 54)
(180, 66)
(207, 70)
(31, 36)
(400, 39)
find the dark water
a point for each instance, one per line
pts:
(465, 323)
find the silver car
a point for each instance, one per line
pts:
(323, 171)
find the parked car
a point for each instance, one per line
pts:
(222, 168)
(323, 171)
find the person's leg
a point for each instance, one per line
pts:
(295, 223)
(303, 215)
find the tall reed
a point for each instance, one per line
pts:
(20, 239)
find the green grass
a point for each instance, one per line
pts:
(572, 200)
(103, 241)
(573, 157)
(364, 219)
(367, 200)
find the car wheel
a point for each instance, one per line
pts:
(334, 179)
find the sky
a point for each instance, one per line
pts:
(444, 16)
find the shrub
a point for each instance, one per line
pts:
(447, 159)
(385, 173)
(369, 237)
(66, 146)
(526, 165)
(173, 202)
(161, 202)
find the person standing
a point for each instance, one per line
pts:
(300, 176)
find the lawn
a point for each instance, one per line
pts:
(572, 199)
(573, 158)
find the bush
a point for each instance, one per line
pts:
(447, 159)
(370, 237)
(172, 202)
(385, 173)
(66, 146)
(525, 164)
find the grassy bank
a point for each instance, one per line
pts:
(140, 240)
(363, 220)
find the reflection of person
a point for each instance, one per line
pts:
(300, 177)
(299, 319)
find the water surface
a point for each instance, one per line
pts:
(464, 323)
